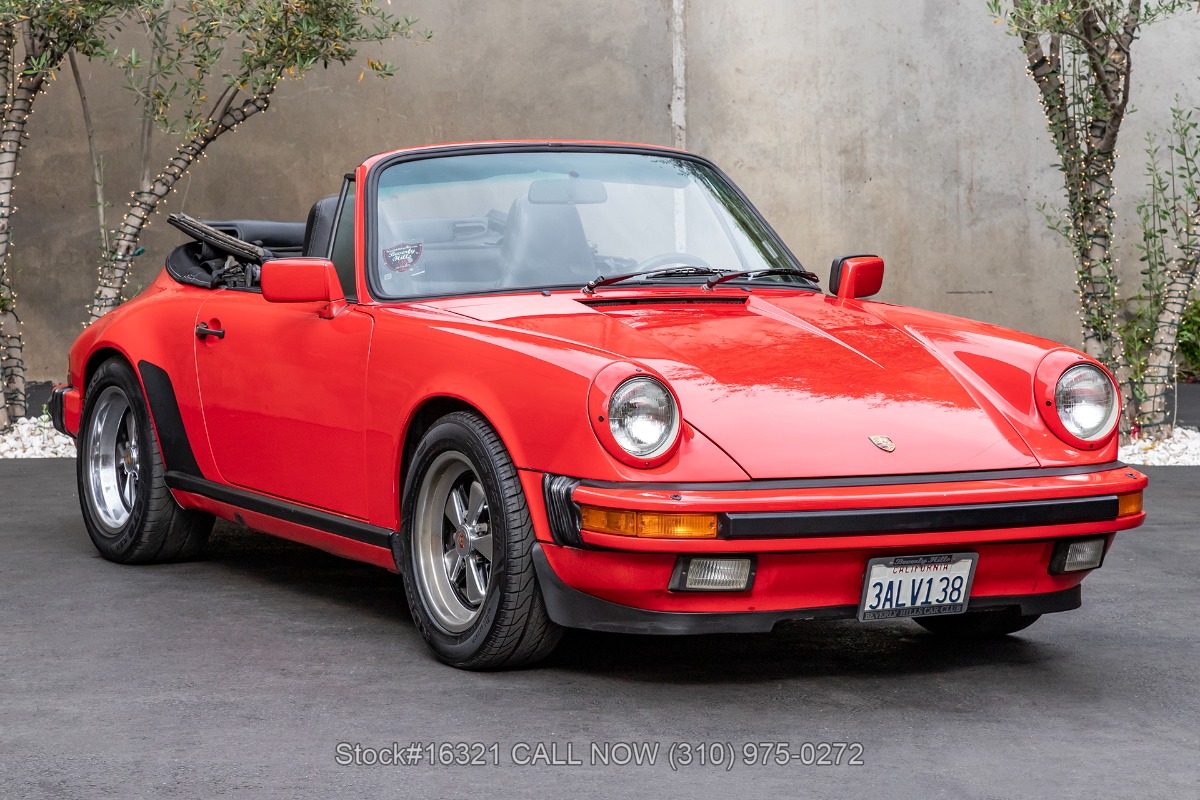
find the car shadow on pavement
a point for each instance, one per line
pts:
(808, 648)
(307, 572)
(794, 649)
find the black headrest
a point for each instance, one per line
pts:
(544, 244)
(319, 230)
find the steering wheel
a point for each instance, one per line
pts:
(668, 259)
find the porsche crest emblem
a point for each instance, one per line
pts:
(883, 443)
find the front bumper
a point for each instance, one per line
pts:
(811, 541)
(575, 609)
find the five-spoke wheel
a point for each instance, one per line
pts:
(466, 550)
(112, 462)
(129, 512)
(452, 543)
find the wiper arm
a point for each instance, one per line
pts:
(748, 273)
(600, 280)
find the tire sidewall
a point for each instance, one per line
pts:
(446, 435)
(121, 375)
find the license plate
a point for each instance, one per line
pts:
(917, 586)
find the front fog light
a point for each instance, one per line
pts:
(712, 574)
(1077, 555)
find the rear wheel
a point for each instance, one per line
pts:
(129, 513)
(979, 624)
(466, 551)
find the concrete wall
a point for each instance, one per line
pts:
(902, 127)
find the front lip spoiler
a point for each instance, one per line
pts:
(572, 608)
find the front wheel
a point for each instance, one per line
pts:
(128, 510)
(979, 624)
(466, 541)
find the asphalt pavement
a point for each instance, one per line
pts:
(241, 674)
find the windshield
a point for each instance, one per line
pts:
(470, 223)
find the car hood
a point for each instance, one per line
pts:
(789, 384)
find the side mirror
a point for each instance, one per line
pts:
(302, 280)
(853, 277)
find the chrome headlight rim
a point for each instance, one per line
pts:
(623, 394)
(604, 385)
(1108, 424)
(1054, 365)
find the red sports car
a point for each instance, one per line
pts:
(562, 384)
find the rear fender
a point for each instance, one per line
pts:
(155, 334)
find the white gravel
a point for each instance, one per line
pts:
(1181, 450)
(35, 437)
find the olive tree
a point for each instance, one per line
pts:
(1170, 246)
(1079, 54)
(213, 65)
(35, 37)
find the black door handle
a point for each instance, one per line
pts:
(203, 331)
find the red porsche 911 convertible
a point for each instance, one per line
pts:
(562, 384)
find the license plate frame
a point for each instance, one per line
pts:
(902, 592)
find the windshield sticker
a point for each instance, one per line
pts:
(402, 257)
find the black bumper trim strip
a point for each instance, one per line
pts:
(280, 509)
(868, 480)
(575, 609)
(918, 519)
(57, 411)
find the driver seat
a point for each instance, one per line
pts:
(544, 244)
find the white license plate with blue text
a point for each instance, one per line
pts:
(917, 586)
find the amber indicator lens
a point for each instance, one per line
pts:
(648, 524)
(1129, 504)
(678, 526)
(607, 520)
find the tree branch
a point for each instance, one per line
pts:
(97, 164)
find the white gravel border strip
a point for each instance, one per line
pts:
(35, 437)
(1181, 450)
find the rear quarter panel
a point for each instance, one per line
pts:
(157, 326)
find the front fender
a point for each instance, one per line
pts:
(531, 388)
(998, 366)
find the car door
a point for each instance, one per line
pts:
(282, 393)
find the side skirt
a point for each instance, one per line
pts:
(339, 535)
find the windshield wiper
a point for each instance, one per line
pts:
(755, 273)
(666, 272)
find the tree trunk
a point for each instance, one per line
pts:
(12, 363)
(1097, 274)
(1154, 421)
(114, 274)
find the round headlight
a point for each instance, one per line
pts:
(643, 417)
(1086, 401)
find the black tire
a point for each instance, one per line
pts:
(508, 627)
(979, 624)
(153, 527)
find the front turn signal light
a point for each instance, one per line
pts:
(1128, 504)
(648, 524)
